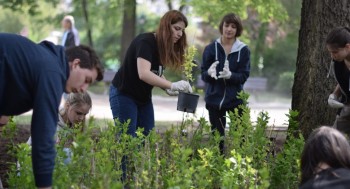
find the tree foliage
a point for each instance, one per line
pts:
(32, 7)
(267, 9)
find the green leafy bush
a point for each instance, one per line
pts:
(172, 159)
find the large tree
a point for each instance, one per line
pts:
(311, 85)
(129, 28)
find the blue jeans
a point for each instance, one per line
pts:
(125, 108)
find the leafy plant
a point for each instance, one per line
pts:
(189, 62)
(171, 159)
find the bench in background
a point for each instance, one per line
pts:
(255, 84)
(108, 76)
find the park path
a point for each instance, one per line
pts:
(165, 109)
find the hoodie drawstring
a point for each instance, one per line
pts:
(331, 69)
(239, 55)
(216, 51)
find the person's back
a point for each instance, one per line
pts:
(329, 178)
(25, 66)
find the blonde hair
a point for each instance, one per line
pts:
(70, 19)
(74, 100)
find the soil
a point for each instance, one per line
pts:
(22, 135)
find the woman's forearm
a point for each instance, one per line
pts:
(145, 74)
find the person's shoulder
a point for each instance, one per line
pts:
(343, 172)
(329, 178)
(146, 36)
(211, 45)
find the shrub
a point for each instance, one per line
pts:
(172, 159)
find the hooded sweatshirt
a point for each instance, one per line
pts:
(222, 93)
(33, 76)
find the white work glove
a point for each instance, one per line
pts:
(225, 73)
(333, 102)
(171, 92)
(212, 70)
(182, 85)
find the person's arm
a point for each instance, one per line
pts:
(47, 97)
(337, 91)
(146, 75)
(241, 75)
(208, 59)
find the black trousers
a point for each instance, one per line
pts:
(217, 120)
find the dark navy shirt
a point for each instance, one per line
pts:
(33, 76)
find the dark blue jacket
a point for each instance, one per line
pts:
(33, 76)
(222, 93)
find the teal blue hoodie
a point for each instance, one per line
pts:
(33, 76)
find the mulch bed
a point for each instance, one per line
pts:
(22, 135)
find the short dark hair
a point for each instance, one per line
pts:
(324, 145)
(338, 37)
(88, 58)
(232, 18)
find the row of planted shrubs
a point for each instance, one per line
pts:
(172, 159)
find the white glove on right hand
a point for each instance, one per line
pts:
(212, 70)
(181, 86)
(333, 102)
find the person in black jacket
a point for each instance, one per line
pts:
(225, 69)
(70, 36)
(34, 76)
(338, 45)
(325, 160)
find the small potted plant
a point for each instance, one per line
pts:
(187, 102)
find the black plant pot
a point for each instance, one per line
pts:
(187, 102)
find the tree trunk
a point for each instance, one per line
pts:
(311, 85)
(86, 16)
(170, 6)
(129, 28)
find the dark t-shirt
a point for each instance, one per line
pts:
(342, 75)
(127, 80)
(329, 179)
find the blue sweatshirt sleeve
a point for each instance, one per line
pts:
(240, 75)
(44, 120)
(208, 59)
